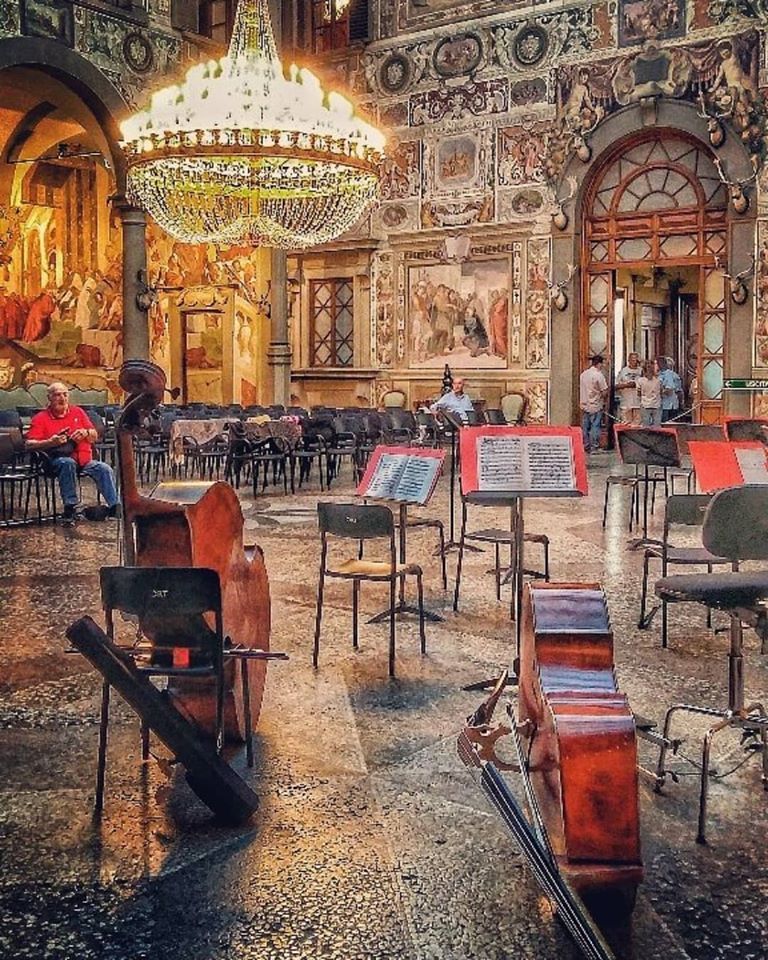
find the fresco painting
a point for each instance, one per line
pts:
(459, 314)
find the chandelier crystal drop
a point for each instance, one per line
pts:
(242, 153)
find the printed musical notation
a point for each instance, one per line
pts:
(525, 463)
(753, 466)
(404, 477)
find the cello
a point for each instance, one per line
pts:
(580, 745)
(195, 524)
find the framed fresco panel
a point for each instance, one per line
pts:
(641, 20)
(459, 314)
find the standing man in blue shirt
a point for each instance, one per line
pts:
(456, 402)
(671, 389)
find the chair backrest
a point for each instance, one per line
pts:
(697, 431)
(736, 523)
(686, 509)
(495, 417)
(8, 452)
(402, 419)
(747, 429)
(649, 447)
(393, 399)
(16, 439)
(10, 418)
(169, 602)
(513, 407)
(355, 521)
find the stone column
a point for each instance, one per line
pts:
(135, 322)
(279, 350)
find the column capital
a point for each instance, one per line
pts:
(128, 211)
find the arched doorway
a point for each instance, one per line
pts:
(654, 243)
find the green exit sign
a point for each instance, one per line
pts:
(730, 384)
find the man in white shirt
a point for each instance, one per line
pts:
(593, 389)
(626, 387)
(456, 401)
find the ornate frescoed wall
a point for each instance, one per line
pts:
(487, 107)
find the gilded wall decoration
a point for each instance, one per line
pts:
(458, 313)
(51, 19)
(10, 25)
(537, 394)
(537, 302)
(516, 304)
(401, 171)
(523, 204)
(521, 155)
(458, 56)
(641, 20)
(382, 309)
(458, 165)
(457, 213)
(396, 216)
(476, 99)
(761, 296)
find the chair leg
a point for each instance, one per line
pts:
(422, 634)
(461, 556)
(441, 532)
(605, 503)
(318, 617)
(247, 711)
(643, 592)
(709, 609)
(392, 583)
(546, 560)
(101, 767)
(497, 570)
(144, 742)
(664, 624)
(355, 612)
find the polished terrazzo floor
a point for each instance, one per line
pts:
(371, 840)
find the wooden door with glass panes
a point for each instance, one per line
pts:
(659, 204)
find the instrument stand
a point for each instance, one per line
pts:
(751, 718)
(451, 543)
(645, 540)
(647, 447)
(401, 606)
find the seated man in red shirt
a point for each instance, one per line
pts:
(65, 433)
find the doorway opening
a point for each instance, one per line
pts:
(654, 244)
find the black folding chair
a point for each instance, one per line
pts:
(363, 522)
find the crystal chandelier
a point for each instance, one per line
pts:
(240, 153)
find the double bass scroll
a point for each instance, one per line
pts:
(193, 524)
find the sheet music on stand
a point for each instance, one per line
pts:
(522, 461)
(721, 463)
(402, 474)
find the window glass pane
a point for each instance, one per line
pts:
(713, 334)
(332, 323)
(598, 294)
(713, 379)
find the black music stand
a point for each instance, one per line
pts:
(456, 424)
(648, 447)
(402, 499)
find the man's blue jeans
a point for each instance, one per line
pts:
(65, 471)
(590, 429)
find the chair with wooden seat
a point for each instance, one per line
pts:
(680, 510)
(171, 604)
(363, 523)
(514, 407)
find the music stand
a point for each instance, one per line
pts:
(647, 447)
(385, 479)
(456, 424)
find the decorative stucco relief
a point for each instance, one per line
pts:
(459, 166)
(10, 23)
(382, 309)
(537, 394)
(401, 171)
(396, 216)
(761, 297)
(484, 98)
(537, 302)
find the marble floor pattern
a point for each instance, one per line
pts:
(371, 840)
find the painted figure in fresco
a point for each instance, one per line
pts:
(443, 316)
(580, 111)
(420, 330)
(475, 334)
(733, 87)
(15, 316)
(498, 320)
(38, 321)
(87, 311)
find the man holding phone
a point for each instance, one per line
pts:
(66, 435)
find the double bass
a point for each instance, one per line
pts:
(195, 524)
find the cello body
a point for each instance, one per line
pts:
(190, 524)
(580, 738)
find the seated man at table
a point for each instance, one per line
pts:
(66, 435)
(455, 401)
